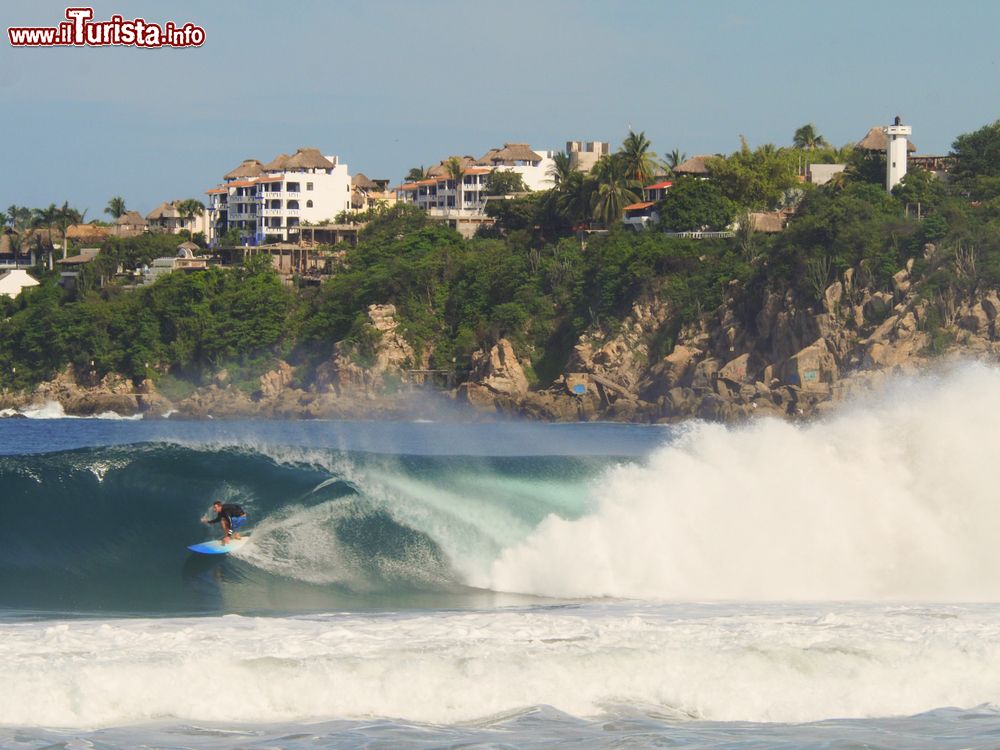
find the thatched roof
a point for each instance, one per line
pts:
(87, 232)
(131, 218)
(767, 221)
(308, 158)
(166, 210)
(876, 140)
(188, 246)
(247, 168)
(510, 153)
(277, 163)
(696, 165)
(360, 180)
(441, 168)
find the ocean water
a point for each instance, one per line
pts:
(509, 585)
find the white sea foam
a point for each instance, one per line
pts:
(784, 664)
(55, 410)
(894, 497)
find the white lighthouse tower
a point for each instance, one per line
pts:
(896, 142)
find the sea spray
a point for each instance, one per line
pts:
(894, 497)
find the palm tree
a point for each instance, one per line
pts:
(188, 209)
(416, 174)
(573, 199)
(64, 217)
(639, 160)
(560, 169)
(674, 159)
(455, 172)
(116, 207)
(614, 188)
(807, 138)
(11, 216)
(44, 217)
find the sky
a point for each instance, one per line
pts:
(393, 84)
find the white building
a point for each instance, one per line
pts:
(439, 195)
(13, 281)
(583, 155)
(268, 202)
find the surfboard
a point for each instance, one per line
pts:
(216, 547)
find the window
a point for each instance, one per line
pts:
(309, 204)
(309, 186)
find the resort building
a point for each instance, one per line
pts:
(166, 218)
(268, 202)
(584, 155)
(129, 224)
(441, 197)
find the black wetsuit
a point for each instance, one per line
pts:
(229, 512)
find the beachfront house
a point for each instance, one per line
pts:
(167, 218)
(642, 213)
(269, 202)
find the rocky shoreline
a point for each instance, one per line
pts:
(789, 362)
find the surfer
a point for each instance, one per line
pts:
(231, 516)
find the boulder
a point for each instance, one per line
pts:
(499, 370)
(812, 368)
(671, 371)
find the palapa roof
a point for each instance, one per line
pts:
(247, 168)
(277, 163)
(510, 153)
(441, 168)
(188, 246)
(694, 165)
(360, 180)
(131, 218)
(166, 210)
(876, 140)
(308, 158)
(767, 221)
(87, 232)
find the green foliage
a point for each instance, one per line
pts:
(504, 182)
(693, 204)
(755, 179)
(977, 154)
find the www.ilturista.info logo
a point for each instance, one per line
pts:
(80, 31)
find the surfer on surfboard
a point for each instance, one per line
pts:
(231, 516)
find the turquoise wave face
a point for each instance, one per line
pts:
(106, 530)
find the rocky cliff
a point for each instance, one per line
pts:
(784, 359)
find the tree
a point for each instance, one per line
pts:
(190, 208)
(116, 207)
(674, 159)
(695, 205)
(416, 174)
(560, 170)
(574, 198)
(64, 217)
(505, 182)
(807, 138)
(755, 179)
(456, 172)
(614, 188)
(639, 160)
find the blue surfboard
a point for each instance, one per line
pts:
(216, 547)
